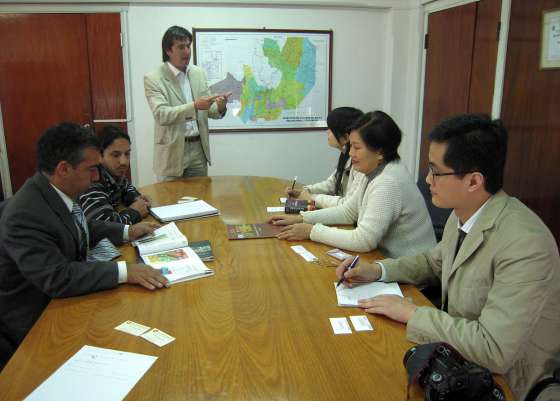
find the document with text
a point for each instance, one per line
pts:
(94, 374)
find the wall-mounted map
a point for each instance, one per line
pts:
(278, 79)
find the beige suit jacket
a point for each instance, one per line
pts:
(171, 111)
(503, 289)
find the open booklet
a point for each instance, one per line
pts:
(351, 296)
(162, 239)
(167, 250)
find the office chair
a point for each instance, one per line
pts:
(439, 216)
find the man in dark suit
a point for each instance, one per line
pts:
(44, 238)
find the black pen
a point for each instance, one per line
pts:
(294, 183)
(354, 262)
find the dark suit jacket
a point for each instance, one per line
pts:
(40, 258)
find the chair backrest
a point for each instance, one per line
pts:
(3, 206)
(439, 216)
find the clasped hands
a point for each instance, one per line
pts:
(295, 229)
(392, 306)
(204, 102)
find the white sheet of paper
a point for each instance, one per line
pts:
(361, 323)
(133, 328)
(274, 209)
(283, 200)
(351, 296)
(340, 325)
(158, 337)
(94, 374)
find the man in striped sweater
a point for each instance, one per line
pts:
(113, 190)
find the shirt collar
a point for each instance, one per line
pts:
(175, 70)
(65, 198)
(470, 222)
(378, 170)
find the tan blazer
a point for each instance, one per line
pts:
(503, 290)
(171, 111)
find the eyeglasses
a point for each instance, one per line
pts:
(435, 174)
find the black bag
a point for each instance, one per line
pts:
(446, 375)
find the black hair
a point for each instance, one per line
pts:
(474, 143)
(338, 121)
(64, 142)
(170, 36)
(109, 134)
(380, 133)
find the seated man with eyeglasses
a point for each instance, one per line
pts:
(497, 263)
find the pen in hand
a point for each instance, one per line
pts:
(294, 183)
(354, 262)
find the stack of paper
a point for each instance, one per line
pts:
(351, 296)
(183, 211)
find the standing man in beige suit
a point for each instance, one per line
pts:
(181, 104)
(497, 263)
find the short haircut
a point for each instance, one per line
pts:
(109, 134)
(175, 33)
(474, 143)
(380, 133)
(63, 142)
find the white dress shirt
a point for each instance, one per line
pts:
(191, 126)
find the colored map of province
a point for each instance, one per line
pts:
(296, 62)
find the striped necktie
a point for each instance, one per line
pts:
(81, 224)
(103, 251)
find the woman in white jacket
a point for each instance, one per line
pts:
(388, 211)
(344, 181)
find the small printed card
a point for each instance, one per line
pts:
(361, 323)
(340, 325)
(338, 254)
(158, 337)
(304, 253)
(274, 209)
(130, 327)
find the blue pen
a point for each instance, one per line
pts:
(354, 262)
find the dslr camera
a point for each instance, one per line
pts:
(445, 375)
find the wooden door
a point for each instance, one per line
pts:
(59, 67)
(461, 51)
(106, 69)
(531, 113)
(45, 80)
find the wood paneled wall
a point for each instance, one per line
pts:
(531, 112)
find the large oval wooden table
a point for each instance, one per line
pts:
(257, 330)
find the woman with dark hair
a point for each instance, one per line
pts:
(388, 211)
(113, 189)
(342, 183)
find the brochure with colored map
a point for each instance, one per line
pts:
(178, 265)
(249, 231)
